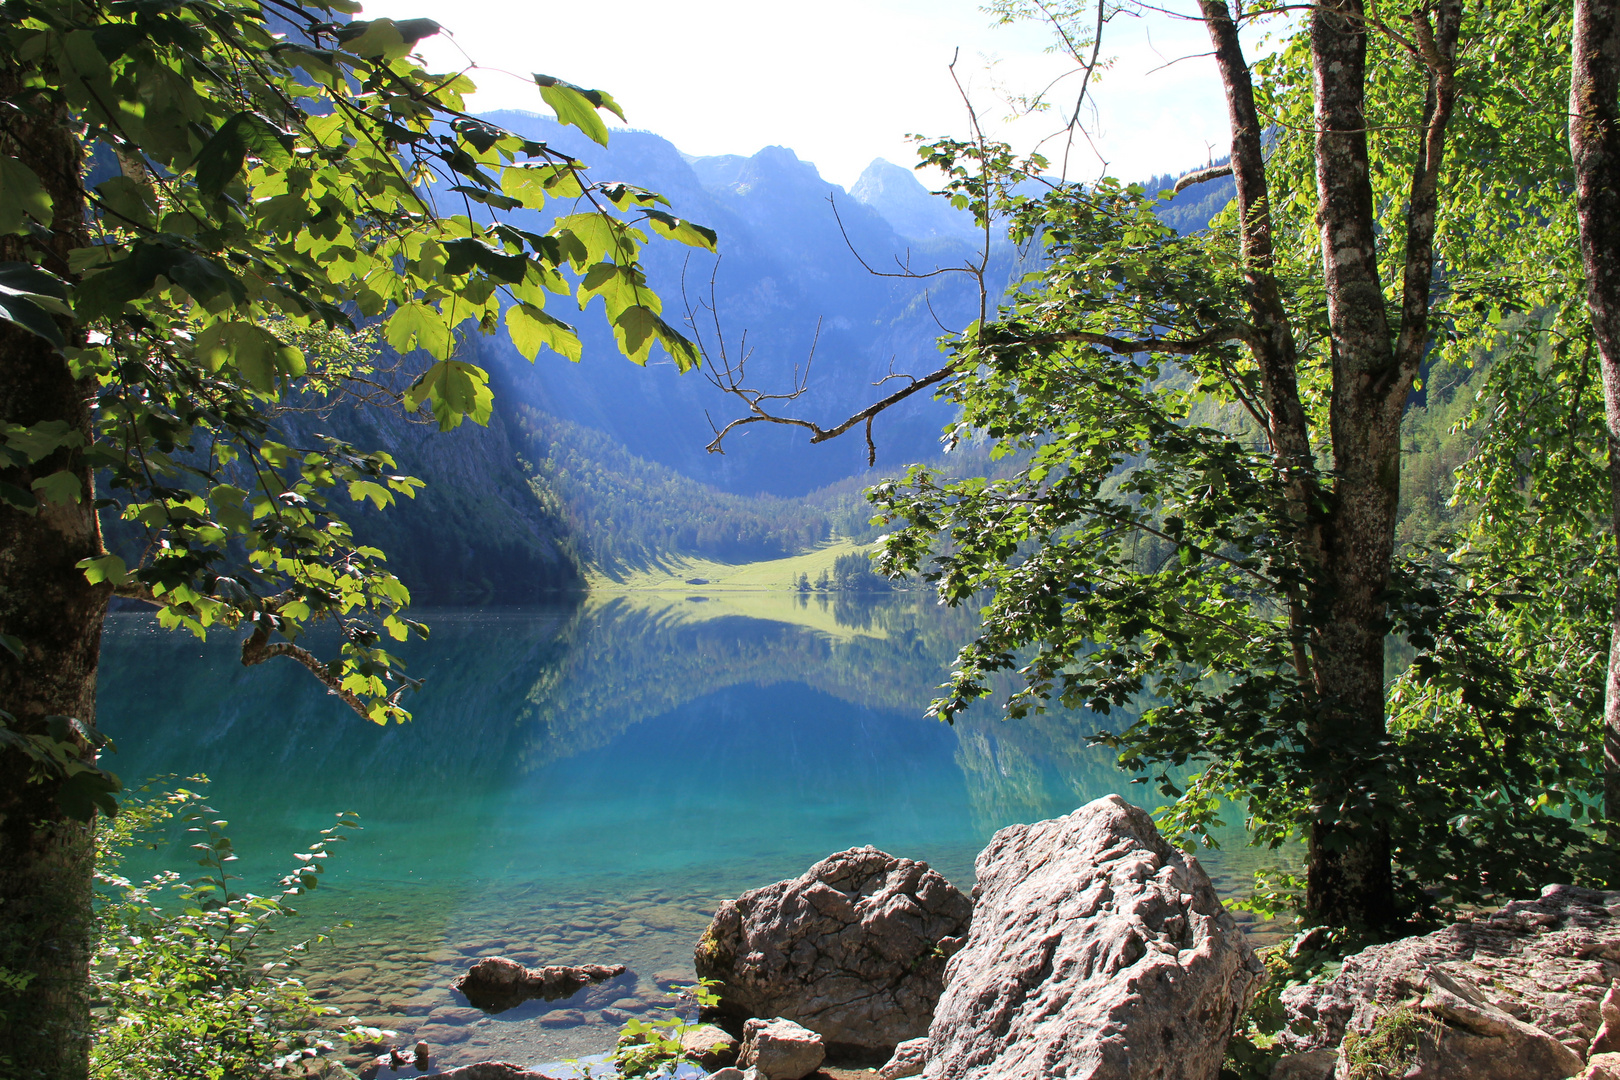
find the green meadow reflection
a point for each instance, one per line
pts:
(582, 783)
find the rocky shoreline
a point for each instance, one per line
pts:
(1089, 949)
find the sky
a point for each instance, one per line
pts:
(839, 82)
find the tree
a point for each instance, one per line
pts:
(187, 191)
(1594, 142)
(1213, 431)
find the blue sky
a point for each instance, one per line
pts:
(840, 81)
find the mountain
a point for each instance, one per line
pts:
(913, 211)
(604, 462)
(787, 293)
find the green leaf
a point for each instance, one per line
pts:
(530, 184)
(455, 390)
(577, 106)
(223, 155)
(370, 489)
(12, 644)
(531, 328)
(374, 39)
(29, 296)
(686, 232)
(86, 791)
(21, 197)
(259, 355)
(420, 326)
(59, 488)
(109, 568)
(620, 287)
(43, 439)
(18, 499)
(598, 234)
(639, 327)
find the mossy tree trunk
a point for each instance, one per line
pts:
(54, 616)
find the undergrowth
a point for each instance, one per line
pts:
(189, 980)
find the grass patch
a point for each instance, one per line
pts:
(1389, 1048)
(675, 573)
(685, 589)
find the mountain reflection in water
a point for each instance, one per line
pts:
(582, 783)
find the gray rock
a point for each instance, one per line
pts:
(709, 1046)
(1097, 952)
(1601, 1067)
(779, 1049)
(908, 1060)
(496, 983)
(731, 1074)
(1517, 994)
(1607, 1039)
(854, 949)
(1313, 1065)
(490, 1070)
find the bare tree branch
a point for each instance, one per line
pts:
(1214, 172)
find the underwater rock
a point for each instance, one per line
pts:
(851, 949)
(491, 1070)
(1097, 952)
(496, 983)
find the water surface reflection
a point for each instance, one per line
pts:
(582, 783)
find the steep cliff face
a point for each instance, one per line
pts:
(478, 533)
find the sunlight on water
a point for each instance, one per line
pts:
(582, 785)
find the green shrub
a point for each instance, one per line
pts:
(652, 1048)
(188, 981)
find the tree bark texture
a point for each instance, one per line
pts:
(1594, 143)
(46, 858)
(1345, 531)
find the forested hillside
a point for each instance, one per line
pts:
(622, 510)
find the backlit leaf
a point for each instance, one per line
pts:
(577, 106)
(419, 326)
(531, 328)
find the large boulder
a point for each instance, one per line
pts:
(853, 949)
(1524, 993)
(1097, 952)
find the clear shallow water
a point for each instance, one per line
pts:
(583, 784)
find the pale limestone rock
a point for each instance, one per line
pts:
(908, 1060)
(855, 949)
(1601, 1067)
(1519, 994)
(1463, 1035)
(1097, 951)
(779, 1049)
(709, 1046)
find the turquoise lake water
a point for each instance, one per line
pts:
(583, 784)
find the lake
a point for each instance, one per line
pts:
(583, 783)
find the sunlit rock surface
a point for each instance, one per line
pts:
(1097, 951)
(853, 949)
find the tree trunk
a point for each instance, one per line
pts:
(1594, 143)
(46, 857)
(1346, 553)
